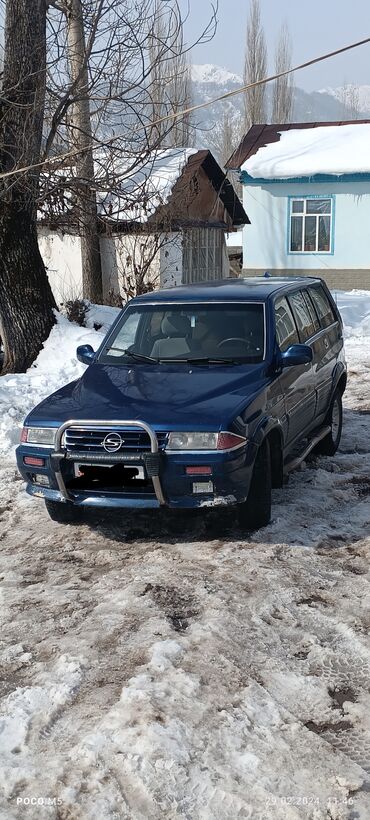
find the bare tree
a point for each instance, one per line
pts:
(137, 74)
(171, 83)
(255, 67)
(97, 135)
(180, 98)
(81, 132)
(349, 96)
(228, 138)
(26, 301)
(283, 89)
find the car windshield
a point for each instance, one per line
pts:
(196, 333)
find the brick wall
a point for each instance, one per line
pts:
(335, 279)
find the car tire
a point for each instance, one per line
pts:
(255, 512)
(63, 512)
(329, 445)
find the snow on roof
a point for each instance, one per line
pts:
(337, 149)
(141, 193)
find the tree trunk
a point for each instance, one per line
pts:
(26, 300)
(82, 141)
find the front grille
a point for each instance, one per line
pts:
(90, 440)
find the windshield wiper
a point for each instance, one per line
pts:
(201, 360)
(138, 356)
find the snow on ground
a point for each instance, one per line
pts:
(56, 365)
(333, 149)
(155, 666)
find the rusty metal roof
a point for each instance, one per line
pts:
(259, 136)
(220, 183)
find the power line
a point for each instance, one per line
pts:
(269, 79)
(50, 163)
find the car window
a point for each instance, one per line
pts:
(231, 331)
(305, 324)
(312, 311)
(286, 331)
(322, 305)
(126, 335)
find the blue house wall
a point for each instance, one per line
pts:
(266, 245)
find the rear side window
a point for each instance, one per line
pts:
(312, 312)
(323, 306)
(286, 331)
(304, 320)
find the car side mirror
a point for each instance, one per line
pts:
(85, 354)
(296, 354)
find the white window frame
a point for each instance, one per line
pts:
(304, 214)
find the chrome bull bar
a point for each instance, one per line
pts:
(62, 453)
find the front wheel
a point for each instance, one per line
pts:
(63, 512)
(329, 445)
(255, 512)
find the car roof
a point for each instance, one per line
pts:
(249, 289)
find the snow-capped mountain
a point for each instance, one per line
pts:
(214, 74)
(210, 81)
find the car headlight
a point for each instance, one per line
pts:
(38, 435)
(204, 441)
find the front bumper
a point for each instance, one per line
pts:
(168, 483)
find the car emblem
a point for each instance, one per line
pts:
(113, 442)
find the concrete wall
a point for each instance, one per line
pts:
(171, 261)
(62, 257)
(119, 254)
(265, 241)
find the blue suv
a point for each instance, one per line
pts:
(199, 396)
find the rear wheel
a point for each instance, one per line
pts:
(255, 512)
(63, 513)
(329, 445)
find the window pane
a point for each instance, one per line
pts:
(297, 206)
(302, 316)
(318, 206)
(310, 233)
(311, 310)
(324, 233)
(322, 306)
(127, 335)
(296, 233)
(286, 331)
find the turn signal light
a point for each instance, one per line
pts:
(227, 441)
(198, 470)
(33, 461)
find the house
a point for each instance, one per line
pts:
(162, 227)
(306, 187)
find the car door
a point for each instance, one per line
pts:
(328, 343)
(296, 381)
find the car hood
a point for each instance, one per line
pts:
(166, 396)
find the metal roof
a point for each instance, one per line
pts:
(259, 136)
(221, 184)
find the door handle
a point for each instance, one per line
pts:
(326, 344)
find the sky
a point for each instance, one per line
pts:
(316, 27)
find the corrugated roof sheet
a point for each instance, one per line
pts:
(260, 135)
